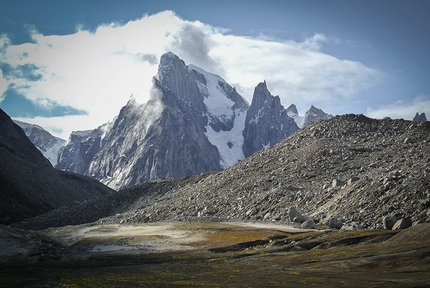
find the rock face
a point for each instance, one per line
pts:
(29, 184)
(420, 117)
(49, 145)
(267, 122)
(80, 150)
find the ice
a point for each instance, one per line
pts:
(229, 156)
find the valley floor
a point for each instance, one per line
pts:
(221, 254)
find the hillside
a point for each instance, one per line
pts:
(29, 184)
(351, 167)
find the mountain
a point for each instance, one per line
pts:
(420, 117)
(313, 114)
(29, 184)
(47, 144)
(81, 148)
(267, 122)
(363, 172)
(194, 122)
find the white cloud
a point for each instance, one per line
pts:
(402, 109)
(98, 71)
(3, 86)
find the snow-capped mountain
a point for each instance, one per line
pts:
(313, 114)
(194, 122)
(48, 144)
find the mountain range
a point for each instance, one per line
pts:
(194, 122)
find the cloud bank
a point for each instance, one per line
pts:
(403, 109)
(97, 71)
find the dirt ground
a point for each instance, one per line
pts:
(222, 254)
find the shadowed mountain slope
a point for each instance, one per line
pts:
(29, 184)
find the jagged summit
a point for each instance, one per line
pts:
(267, 122)
(420, 117)
(313, 114)
(292, 110)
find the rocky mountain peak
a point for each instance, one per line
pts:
(261, 95)
(14, 140)
(267, 121)
(420, 117)
(314, 114)
(174, 75)
(292, 109)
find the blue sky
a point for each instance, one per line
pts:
(71, 65)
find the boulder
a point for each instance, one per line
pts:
(402, 224)
(351, 226)
(308, 224)
(335, 223)
(301, 219)
(388, 221)
(293, 213)
(337, 183)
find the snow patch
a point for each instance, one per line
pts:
(216, 100)
(300, 120)
(229, 143)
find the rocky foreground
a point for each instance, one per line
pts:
(349, 171)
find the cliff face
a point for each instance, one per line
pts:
(267, 121)
(79, 151)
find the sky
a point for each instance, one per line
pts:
(71, 65)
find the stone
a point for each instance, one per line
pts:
(266, 216)
(418, 222)
(388, 222)
(337, 183)
(308, 224)
(335, 223)
(301, 219)
(352, 180)
(293, 213)
(402, 224)
(351, 226)
(408, 140)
